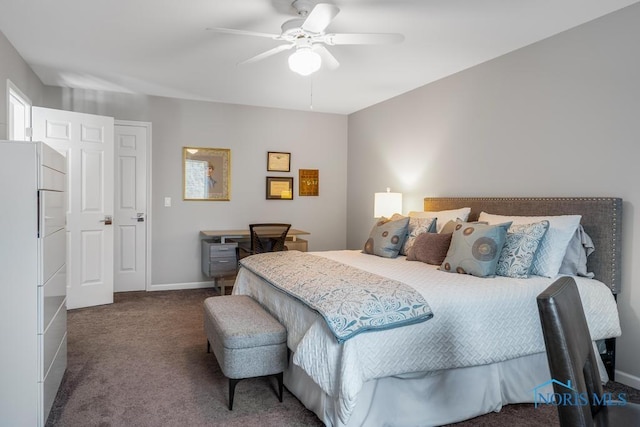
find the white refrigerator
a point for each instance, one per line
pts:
(33, 283)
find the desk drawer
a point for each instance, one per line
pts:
(222, 250)
(222, 266)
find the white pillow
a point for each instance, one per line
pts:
(443, 217)
(554, 243)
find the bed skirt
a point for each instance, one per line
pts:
(430, 399)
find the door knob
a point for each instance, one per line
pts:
(108, 220)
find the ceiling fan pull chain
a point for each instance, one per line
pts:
(311, 93)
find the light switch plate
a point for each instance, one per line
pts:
(167, 202)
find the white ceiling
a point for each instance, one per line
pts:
(162, 47)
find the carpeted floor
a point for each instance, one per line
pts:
(142, 361)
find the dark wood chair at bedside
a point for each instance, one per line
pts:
(571, 358)
(267, 237)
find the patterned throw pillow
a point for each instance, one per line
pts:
(387, 237)
(475, 249)
(430, 248)
(416, 227)
(520, 249)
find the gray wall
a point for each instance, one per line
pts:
(557, 118)
(13, 67)
(315, 141)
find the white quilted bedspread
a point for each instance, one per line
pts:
(476, 321)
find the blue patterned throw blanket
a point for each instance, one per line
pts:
(350, 300)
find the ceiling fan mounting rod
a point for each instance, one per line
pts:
(302, 7)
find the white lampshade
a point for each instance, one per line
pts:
(304, 61)
(386, 204)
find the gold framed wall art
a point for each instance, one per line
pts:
(206, 173)
(308, 182)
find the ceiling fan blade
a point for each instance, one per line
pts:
(328, 60)
(245, 33)
(373, 38)
(320, 18)
(267, 54)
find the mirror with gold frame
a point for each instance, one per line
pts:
(206, 173)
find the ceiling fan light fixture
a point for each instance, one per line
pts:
(304, 61)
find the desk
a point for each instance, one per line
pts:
(223, 235)
(219, 258)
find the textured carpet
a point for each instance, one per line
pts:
(142, 361)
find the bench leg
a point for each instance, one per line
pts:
(234, 382)
(232, 390)
(280, 381)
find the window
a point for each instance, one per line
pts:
(19, 114)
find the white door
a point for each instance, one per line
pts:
(87, 141)
(130, 225)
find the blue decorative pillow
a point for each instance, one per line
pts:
(519, 250)
(475, 249)
(387, 237)
(417, 226)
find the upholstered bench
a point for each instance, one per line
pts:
(246, 340)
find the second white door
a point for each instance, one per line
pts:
(130, 226)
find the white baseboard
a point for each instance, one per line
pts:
(628, 379)
(182, 286)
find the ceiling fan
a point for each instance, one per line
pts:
(308, 37)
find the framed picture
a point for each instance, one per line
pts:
(278, 162)
(279, 188)
(206, 173)
(308, 182)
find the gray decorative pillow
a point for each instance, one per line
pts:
(416, 227)
(519, 250)
(430, 248)
(575, 259)
(386, 237)
(450, 226)
(475, 249)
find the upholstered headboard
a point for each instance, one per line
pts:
(601, 219)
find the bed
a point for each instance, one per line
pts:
(482, 349)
